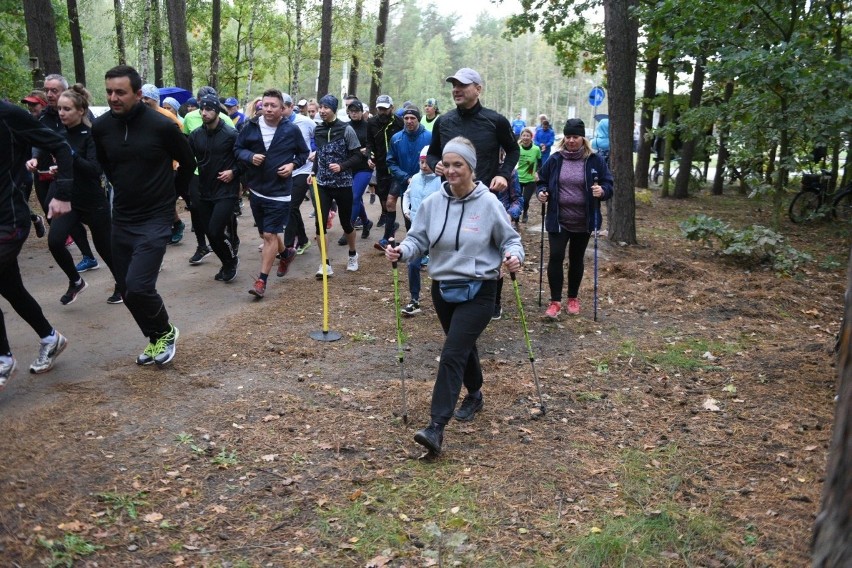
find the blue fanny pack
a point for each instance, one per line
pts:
(458, 291)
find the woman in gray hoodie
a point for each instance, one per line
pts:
(466, 232)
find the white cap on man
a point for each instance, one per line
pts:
(465, 76)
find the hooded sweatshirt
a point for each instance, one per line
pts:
(467, 238)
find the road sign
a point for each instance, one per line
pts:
(596, 96)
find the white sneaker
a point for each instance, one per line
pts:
(328, 271)
(352, 263)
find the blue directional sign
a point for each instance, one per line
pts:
(596, 96)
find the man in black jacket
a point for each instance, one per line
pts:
(380, 130)
(22, 132)
(218, 182)
(136, 146)
(488, 130)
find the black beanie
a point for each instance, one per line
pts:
(574, 127)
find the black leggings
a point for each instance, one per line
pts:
(576, 244)
(343, 197)
(45, 192)
(529, 189)
(213, 217)
(100, 224)
(12, 287)
(294, 232)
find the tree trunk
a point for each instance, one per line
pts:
(300, 44)
(145, 42)
(76, 42)
(157, 40)
(688, 150)
(215, 42)
(176, 11)
(250, 51)
(621, 30)
(325, 50)
(119, 33)
(40, 22)
(667, 150)
(832, 539)
(379, 54)
(724, 132)
(237, 65)
(643, 156)
(352, 88)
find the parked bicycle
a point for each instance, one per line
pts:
(815, 197)
(655, 174)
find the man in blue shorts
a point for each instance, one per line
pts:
(270, 148)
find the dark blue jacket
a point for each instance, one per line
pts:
(404, 153)
(288, 146)
(548, 180)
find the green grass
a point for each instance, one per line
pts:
(687, 355)
(653, 529)
(120, 503)
(387, 514)
(66, 551)
(225, 459)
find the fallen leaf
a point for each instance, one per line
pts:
(711, 404)
(404, 518)
(219, 509)
(152, 518)
(810, 448)
(378, 562)
(269, 457)
(73, 526)
(271, 417)
(595, 530)
(455, 510)
(355, 495)
(178, 560)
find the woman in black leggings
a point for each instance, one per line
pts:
(89, 202)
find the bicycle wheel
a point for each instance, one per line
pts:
(842, 209)
(804, 206)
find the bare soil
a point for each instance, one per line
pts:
(701, 399)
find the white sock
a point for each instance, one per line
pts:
(50, 339)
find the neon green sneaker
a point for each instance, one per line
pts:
(147, 356)
(164, 349)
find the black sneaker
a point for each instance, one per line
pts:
(115, 298)
(470, 405)
(431, 437)
(365, 230)
(200, 254)
(342, 240)
(382, 219)
(498, 312)
(412, 308)
(229, 274)
(219, 275)
(72, 293)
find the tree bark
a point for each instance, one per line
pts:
(157, 40)
(621, 30)
(325, 50)
(76, 42)
(300, 43)
(352, 88)
(145, 42)
(831, 545)
(250, 51)
(724, 154)
(215, 42)
(379, 54)
(684, 174)
(40, 22)
(119, 33)
(643, 156)
(176, 11)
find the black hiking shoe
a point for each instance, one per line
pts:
(431, 437)
(471, 404)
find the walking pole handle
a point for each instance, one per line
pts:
(391, 242)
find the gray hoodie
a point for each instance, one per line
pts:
(466, 239)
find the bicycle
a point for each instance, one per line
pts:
(655, 174)
(815, 194)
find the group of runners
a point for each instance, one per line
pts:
(120, 176)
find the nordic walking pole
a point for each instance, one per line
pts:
(527, 338)
(325, 334)
(595, 301)
(541, 258)
(400, 352)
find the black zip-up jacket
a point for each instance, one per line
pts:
(19, 132)
(379, 134)
(214, 152)
(360, 128)
(88, 193)
(488, 130)
(49, 118)
(136, 151)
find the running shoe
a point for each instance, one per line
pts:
(498, 312)
(381, 245)
(365, 230)
(88, 263)
(177, 233)
(352, 263)
(553, 310)
(230, 274)
(147, 356)
(115, 298)
(411, 308)
(286, 258)
(259, 289)
(7, 367)
(573, 306)
(200, 254)
(382, 219)
(72, 293)
(165, 347)
(303, 247)
(328, 269)
(47, 354)
(342, 240)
